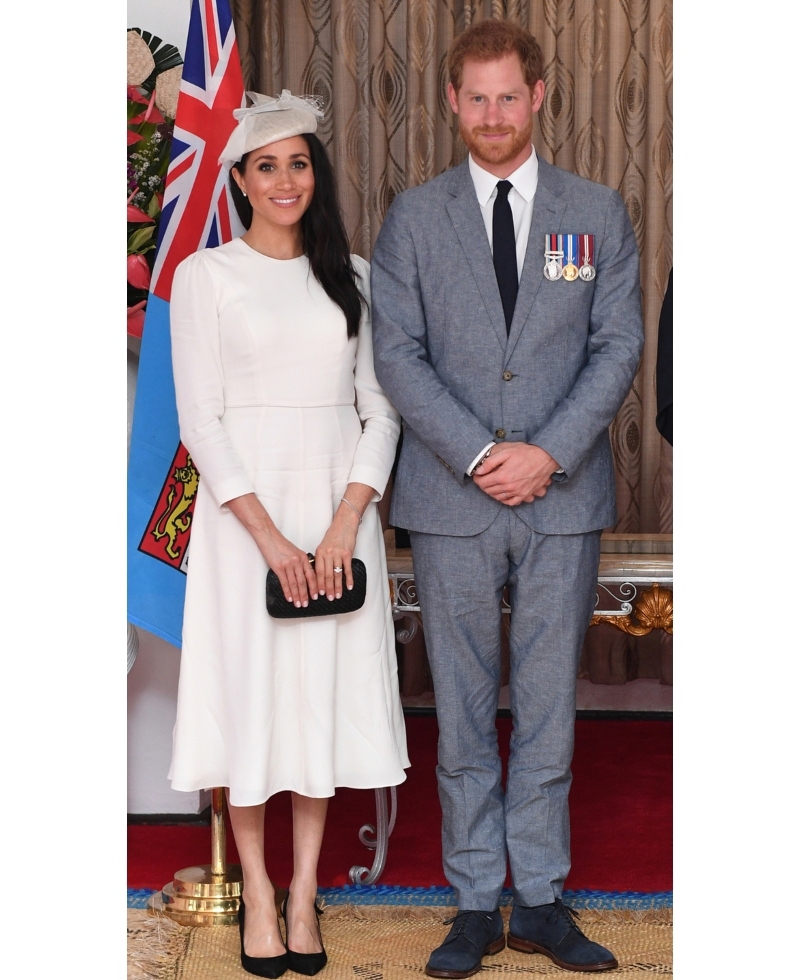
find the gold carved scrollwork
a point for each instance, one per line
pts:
(651, 611)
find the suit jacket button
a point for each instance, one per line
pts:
(500, 433)
(507, 375)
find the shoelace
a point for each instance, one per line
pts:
(462, 916)
(566, 912)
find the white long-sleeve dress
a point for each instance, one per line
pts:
(274, 399)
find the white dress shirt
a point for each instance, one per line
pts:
(523, 187)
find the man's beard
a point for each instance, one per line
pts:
(496, 153)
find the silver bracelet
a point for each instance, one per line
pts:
(346, 501)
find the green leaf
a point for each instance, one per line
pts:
(145, 128)
(152, 207)
(141, 240)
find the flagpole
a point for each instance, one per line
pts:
(218, 831)
(206, 894)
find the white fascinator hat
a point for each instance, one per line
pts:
(269, 120)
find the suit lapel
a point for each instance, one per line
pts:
(465, 213)
(548, 212)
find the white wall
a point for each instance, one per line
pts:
(167, 19)
(152, 689)
(153, 680)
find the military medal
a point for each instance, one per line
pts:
(553, 253)
(552, 269)
(586, 271)
(570, 271)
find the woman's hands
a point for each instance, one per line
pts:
(335, 551)
(292, 567)
(298, 579)
(334, 556)
(289, 563)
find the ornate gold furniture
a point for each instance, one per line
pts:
(634, 584)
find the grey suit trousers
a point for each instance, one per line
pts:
(552, 583)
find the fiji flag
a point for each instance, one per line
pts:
(197, 213)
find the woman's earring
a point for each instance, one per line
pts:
(244, 193)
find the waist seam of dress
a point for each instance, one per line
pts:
(303, 407)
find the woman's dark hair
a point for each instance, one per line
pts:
(324, 238)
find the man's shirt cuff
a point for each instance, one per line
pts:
(478, 458)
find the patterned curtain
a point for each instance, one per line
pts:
(381, 65)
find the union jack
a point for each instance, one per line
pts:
(198, 210)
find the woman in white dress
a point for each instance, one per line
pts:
(294, 442)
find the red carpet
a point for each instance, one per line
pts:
(620, 804)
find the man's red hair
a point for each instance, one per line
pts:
(490, 40)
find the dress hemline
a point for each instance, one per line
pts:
(345, 784)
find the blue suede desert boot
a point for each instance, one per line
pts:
(551, 929)
(472, 936)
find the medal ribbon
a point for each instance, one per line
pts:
(572, 248)
(552, 245)
(587, 250)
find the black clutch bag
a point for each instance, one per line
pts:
(279, 608)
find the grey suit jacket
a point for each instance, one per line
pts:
(444, 359)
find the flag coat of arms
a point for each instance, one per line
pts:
(197, 213)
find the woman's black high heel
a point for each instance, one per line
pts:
(261, 966)
(305, 963)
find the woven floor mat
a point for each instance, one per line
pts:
(387, 943)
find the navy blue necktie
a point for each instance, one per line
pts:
(504, 249)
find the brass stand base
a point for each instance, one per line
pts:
(197, 897)
(207, 894)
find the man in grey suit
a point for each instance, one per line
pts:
(507, 378)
